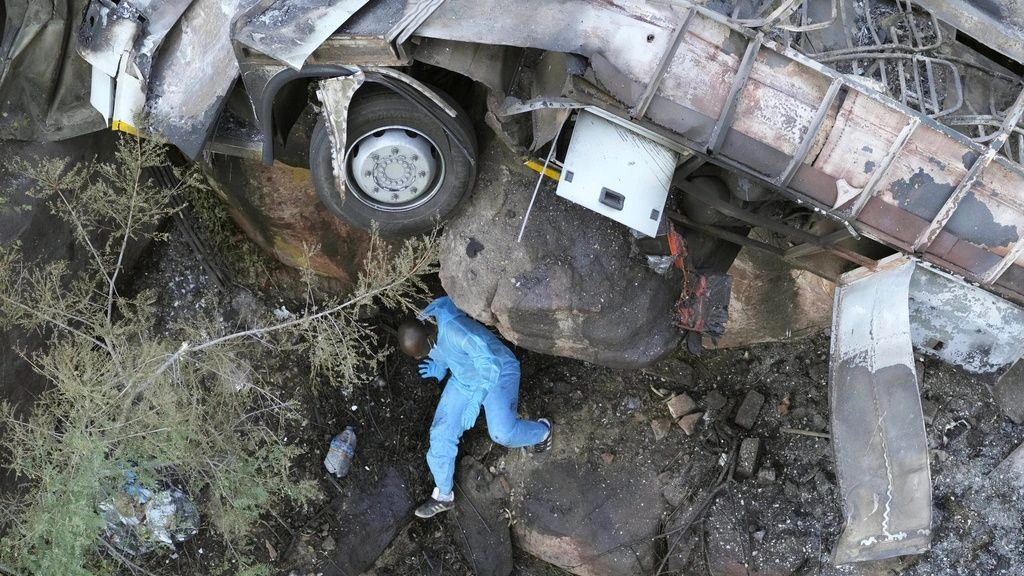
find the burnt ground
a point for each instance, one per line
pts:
(784, 520)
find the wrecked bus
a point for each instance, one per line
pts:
(882, 136)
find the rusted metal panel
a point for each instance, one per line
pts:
(863, 132)
(780, 101)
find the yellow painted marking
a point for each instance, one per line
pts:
(540, 169)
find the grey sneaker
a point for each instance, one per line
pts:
(545, 444)
(433, 507)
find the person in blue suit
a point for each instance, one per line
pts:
(484, 373)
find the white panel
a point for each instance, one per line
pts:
(617, 173)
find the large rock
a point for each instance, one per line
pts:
(589, 519)
(278, 209)
(372, 515)
(478, 521)
(571, 288)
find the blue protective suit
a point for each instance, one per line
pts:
(484, 373)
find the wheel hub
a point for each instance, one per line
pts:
(393, 167)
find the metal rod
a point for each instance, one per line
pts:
(930, 232)
(728, 209)
(666, 59)
(744, 241)
(742, 74)
(883, 167)
(540, 179)
(812, 132)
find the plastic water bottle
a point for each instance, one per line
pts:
(339, 457)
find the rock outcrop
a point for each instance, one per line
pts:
(570, 288)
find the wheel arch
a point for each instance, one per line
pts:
(421, 96)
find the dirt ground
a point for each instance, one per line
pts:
(784, 520)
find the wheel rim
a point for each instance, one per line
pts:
(394, 168)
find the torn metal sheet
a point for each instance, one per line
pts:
(336, 94)
(291, 30)
(44, 84)
(963, 324)
(997, 23)
(878, 434)
(192, 74)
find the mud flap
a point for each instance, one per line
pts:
(878, 432)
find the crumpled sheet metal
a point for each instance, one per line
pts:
(336, 94)
(44, 84)
(964, 325)
(878, 434)
(290, 31)
(192, 73)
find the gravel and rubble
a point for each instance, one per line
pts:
(751, 491)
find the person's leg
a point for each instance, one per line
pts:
(445, 432)
(500, 407)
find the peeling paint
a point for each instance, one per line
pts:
(974, 221)
(869, 166)
(920, 195)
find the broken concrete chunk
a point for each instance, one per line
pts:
(766, 474)
(715, 401)
(661, 427)
(689, 422)
(1009, 392)
(749, 458)
(930, 409)
(680, 405)
(1011, 469)
(749, 409)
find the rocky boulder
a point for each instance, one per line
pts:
(479, 523)
(570, 288)
(370, 517)
(278, 209)
(595, 516)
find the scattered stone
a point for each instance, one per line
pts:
(749, 409)
(632, 403)
(328, 544)
(766, 474)
(680, 405)
(689, 422)
(919, 370)
(715, 401)
(1009, 392)
(607, 457)
(749, 458)
(661, 427)
(930, 410)
(940, 456)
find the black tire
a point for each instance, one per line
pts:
(371, 112)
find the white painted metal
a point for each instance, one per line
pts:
(617, 173)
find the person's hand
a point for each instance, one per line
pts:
(469, 415)
(431, 369)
